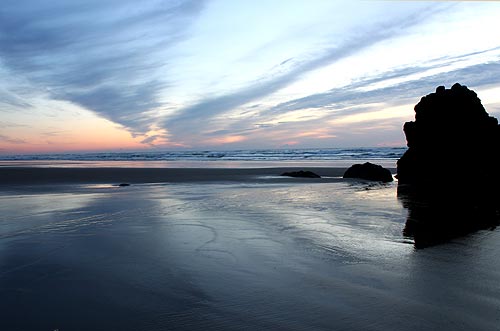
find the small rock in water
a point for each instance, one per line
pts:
(301, 173)
(369, 171)
(123, 184)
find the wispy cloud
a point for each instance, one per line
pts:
(6, 124)
(10, 101)
(150, 140)
(10, 140)
(101, 55)
(51, 134)
(197, 118)
(340, 108)
(339, 100)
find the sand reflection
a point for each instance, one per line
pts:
(438, 217)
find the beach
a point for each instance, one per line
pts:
(25, 176)
(229, 249)
(179, 165)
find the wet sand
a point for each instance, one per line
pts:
(235, 254)
(48, 175)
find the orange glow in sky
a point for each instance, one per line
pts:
(84, 132)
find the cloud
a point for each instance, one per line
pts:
(9, 140)
(6, 124)
(340, 100)
(51, 134)
(124, 105)
(9, 100)
(191, 120)
(150, 140)
(102, 55)
(349, 109)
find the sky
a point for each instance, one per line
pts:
(113, 75)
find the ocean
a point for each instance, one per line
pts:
(386, 156)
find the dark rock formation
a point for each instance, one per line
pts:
(301, 173)
(123, 184)
(452, 137)
(369, 171)
(448, 178)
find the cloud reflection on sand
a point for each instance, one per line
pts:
(228, 256)
(318, 218)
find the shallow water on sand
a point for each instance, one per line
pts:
(235, 256)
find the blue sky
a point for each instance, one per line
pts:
(108, 75)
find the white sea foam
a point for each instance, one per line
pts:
(327, 154)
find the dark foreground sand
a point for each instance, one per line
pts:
(261, 253)
(41, 175)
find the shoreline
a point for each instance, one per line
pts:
(237, 164)
(65, 175)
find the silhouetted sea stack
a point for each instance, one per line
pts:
(452, 138)
(449, 177)
(369, 171)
